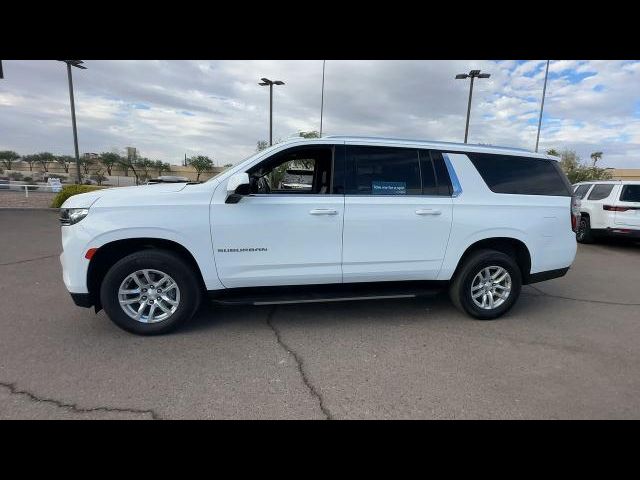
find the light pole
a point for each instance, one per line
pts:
(77, 64)
(270, 83)
(544, 91)
(473, 74)
(322, 98)
(1, 74)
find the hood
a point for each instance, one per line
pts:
(85, 200)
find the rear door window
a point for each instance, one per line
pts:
(383, 171)
(520, 175)
(600, 191)
(630, 193)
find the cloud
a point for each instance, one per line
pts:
(171, 108)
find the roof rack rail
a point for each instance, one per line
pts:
(395, 139)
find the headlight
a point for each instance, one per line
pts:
(71, 216)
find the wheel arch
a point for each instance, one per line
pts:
(111, 252)
(513, 247)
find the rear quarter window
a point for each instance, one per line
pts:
(521, 175)
(600, 191)
(630, 193)
(582, 190)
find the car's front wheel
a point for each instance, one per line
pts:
(486, 285)
(150, 292)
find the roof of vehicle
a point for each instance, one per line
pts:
(446, 146)
(630, 182)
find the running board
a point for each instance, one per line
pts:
(322, 293)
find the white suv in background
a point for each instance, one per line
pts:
(608, 208)
(368, 218)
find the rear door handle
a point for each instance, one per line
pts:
(428, 211)
(323, 211)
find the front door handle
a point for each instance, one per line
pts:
(323, 211)
(428, 211)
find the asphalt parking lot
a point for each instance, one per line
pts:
(570, 348)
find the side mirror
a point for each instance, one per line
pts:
(237, 187)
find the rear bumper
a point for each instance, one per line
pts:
(547, 275)
(82, 299)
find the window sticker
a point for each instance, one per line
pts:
(388, 188)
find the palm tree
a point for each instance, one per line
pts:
(595, 156)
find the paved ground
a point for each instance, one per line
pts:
(35, 199)
(569, 349)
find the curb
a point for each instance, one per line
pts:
(45, 209)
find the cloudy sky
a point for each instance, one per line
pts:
(216, 108)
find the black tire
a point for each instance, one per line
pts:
(164, 261)
(460, 288)
(584, 233)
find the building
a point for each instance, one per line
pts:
(625, 173)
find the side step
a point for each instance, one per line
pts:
(324, 293)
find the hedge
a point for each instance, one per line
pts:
(69, 191)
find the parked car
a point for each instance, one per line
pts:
(4, 184)
(383, 218)
(168, 179)
(608, 208)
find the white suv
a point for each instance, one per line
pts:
(608, 208)
(370, 218)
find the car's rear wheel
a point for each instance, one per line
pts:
(584, 233)
(150, 292)
(487, 285)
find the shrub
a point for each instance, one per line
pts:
(69, 191)
(28, 179)
(15, 176)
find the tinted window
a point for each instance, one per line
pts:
(600, 191)
(442, 174)
(582, 190)
(630, 193)
(429, 184)
(520, 175)
(384, 171)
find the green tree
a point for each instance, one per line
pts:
(44, 159)
(161, 166)
(65, 161)
(86, 163)
(577, 171)
(201, 164)
(553, 152)
(109, 160)
(129, 164)
(313, 134)
(144, 166)
(98, 176)
(30, 160)
(7, 157)
(261, 145)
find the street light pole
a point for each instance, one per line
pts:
(473, 74)
(270, 83)
(78, 64)
(544, 91)
(322, 98)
